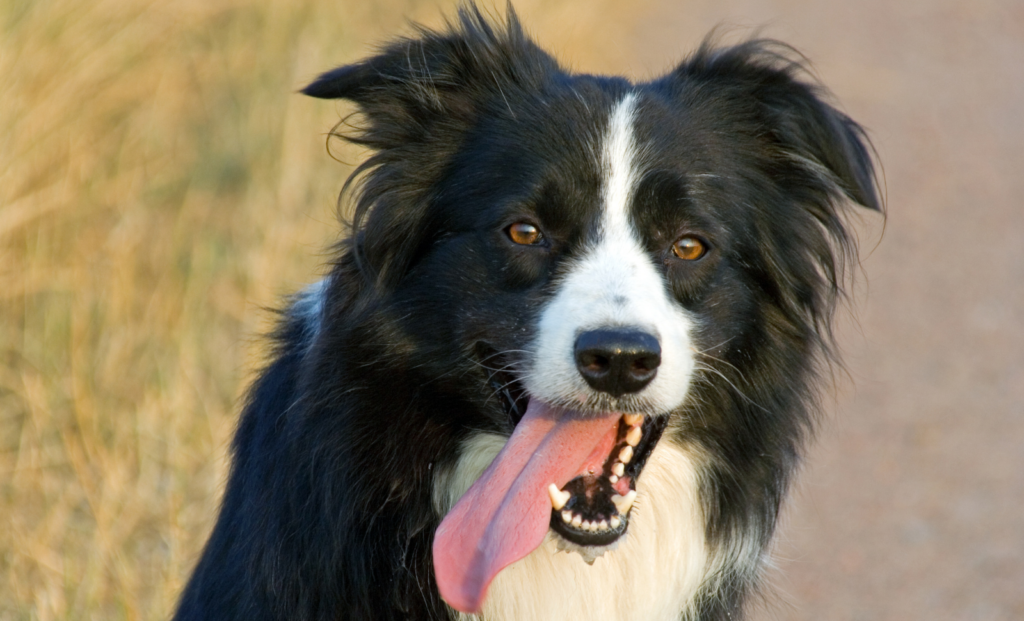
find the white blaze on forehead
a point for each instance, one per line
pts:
(620, 167)
(614, 284)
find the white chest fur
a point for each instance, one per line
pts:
(653, 574)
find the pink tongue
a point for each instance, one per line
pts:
(505, 514)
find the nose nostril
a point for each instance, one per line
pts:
(617, 361)
(594, 363)
(646, 364)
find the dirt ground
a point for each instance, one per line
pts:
(911, 505)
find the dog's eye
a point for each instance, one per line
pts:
(525, 234)
(689, 248)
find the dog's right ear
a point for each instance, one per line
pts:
(418, 89)
(417, 98)
(403, 91)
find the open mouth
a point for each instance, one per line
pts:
(593, 508)
(569, 471)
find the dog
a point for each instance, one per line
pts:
(566, 358)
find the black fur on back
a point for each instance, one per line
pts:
(328, 511)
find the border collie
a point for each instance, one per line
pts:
(565, 360)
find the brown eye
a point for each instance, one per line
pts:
(689, 248)
(524, 234)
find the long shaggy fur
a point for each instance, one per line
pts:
(380, 382)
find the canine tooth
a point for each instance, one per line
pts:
(623, 503)
(626, 454)
(633, 419)
(614, 479)
(577, 520)
(633, 436)
(566, 516)
(618, 469)
(558, 497)
(615, 521)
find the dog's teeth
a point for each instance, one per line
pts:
(633, 419)
(615, 521)
(626, 454)
(614, 479)
(618, 469)
(566, 516)
(603, 525)
(577, 520)
(558, 497)
(623, 503)
(633, 436)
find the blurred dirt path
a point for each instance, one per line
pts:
(911, 505)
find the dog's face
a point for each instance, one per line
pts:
(578, 258)
(572, 257)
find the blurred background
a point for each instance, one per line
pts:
(162, 185)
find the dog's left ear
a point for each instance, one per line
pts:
(809, 127)
(763, 77)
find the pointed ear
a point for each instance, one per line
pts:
(409, 85)
(437, 81)
(810, 128)
(793, 111)
(417, 98)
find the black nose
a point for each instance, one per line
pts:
(617, 361)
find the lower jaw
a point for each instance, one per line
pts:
(604, 535)
(589, 553)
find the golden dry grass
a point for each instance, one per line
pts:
(160, 184)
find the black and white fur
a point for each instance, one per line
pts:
(381, 408)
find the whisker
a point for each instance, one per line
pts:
(705, 354)
(704, 367)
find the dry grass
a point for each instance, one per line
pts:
(160, 184)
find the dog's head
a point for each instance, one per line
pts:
(570, 257)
